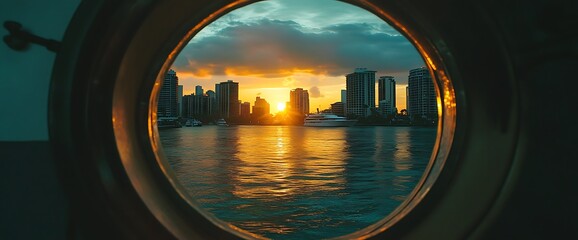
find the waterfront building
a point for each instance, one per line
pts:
(180, 100)
(421, 95)
(195, 106)
(227, 94)
(299, 101)
(386, 95)
(212, 106)
(185, 109)
(245, 110)
(360, 87)
(167, 105)
(406, 98)
(217, 90)
(261, 107)
(344, 100)
(199, 90)
(338, 109)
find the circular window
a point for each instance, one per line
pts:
(338, 159)
(104, 123)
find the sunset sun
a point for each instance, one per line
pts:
(280, 107)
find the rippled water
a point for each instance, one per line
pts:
(293, 182)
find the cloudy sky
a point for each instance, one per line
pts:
(271, 47)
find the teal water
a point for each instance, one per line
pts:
(293, 182)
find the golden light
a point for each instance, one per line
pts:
(280, 107)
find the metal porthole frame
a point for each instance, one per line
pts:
(104, 138)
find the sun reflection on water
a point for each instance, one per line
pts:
(297, 182)
(277, 165)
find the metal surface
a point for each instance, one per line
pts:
(114, 53)
(19, 39)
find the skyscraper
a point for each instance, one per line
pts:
(299, 101)
(195, 106)
(360, 86)
(212, 106)
(167, 105)
(344, 101)
(228, 98)
(199, 90)
(245, 110)
(421, 94)
(217, 107)
(185, 106)
(386, 95)
(180, 100)
(406, 98)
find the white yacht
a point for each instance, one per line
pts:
(222, 122)
(327, 120)
(193, 123)
(197, 123)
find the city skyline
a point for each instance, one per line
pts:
(269, 51)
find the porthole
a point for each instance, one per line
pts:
(310, 171)
(105, 137)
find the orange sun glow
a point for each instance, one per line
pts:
(280, 107)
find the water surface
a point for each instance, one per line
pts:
(294, 182)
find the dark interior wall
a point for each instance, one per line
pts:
(32, 203)
(540, 198)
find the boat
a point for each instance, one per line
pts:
(222, 122)
(168, 122)
(327, 120)
(196, 123)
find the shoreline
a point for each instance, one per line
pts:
(357, 125)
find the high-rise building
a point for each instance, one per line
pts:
(185, 109)
(406, 98)
(245, 110)
(299, 101)
(199, 90)
(261, 107)
(360, 86)
(195, 106)
(217, 100)
(344, 101)
(386, 95)
(167, 105)
(228, 98)
(180, 100)
(212, 106)
(421, 94)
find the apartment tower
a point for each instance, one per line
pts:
(167, 105)
(299, 101)
(386, 95)
(360, 89)
(228, 99)
(421, 95)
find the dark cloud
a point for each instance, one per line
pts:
(314, 92)
(274, 48)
